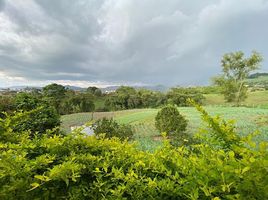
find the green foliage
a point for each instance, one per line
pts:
(111, 128)
(36, 115)
(54, 90)
(76, 103)
(36, 121)
(179, 96)
(129, 98)
(54, 94)
(169, 120)
(26, 101)
(124, 98)
(94, 91)
(212, 89)
(80, 167)
(235, 70)
(220, 133)
(6, 103)
(151, 99)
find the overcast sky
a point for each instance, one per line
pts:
(103, 42)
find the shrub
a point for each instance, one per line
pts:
(26, 101)
(169, 120)
(36, 121)
(111, 128)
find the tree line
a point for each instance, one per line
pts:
(67, 101)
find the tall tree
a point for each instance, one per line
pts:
(54, 94)
(94, 90)
(235, 70)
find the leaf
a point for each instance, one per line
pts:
(231, 154)
(42, 178)
(245, 169)
(34, 186)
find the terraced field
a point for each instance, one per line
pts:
(142, 120)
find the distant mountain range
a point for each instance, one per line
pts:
(17, 88)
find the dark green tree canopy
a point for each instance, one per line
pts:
(54, 94)
(54, 90)
(94, 90)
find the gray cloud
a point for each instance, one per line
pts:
(152, 41)
(2, 4)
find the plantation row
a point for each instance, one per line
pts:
(220, 165)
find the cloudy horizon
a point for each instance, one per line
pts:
(134, 42)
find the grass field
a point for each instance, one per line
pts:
(255, 99)
(142, 120)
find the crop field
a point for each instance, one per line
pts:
(247, 120)
(79, 119)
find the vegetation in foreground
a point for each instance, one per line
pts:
(224, 165)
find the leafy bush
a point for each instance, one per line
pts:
(111, 128)
(36, 121)
(224, 166)
(25, 101)
(169, 120)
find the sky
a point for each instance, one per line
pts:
(130, 42)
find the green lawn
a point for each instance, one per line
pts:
(142, 120)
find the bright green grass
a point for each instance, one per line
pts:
(144, 115)
(142, 120)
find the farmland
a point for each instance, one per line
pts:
(142, 120)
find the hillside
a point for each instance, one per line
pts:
(258, 81)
